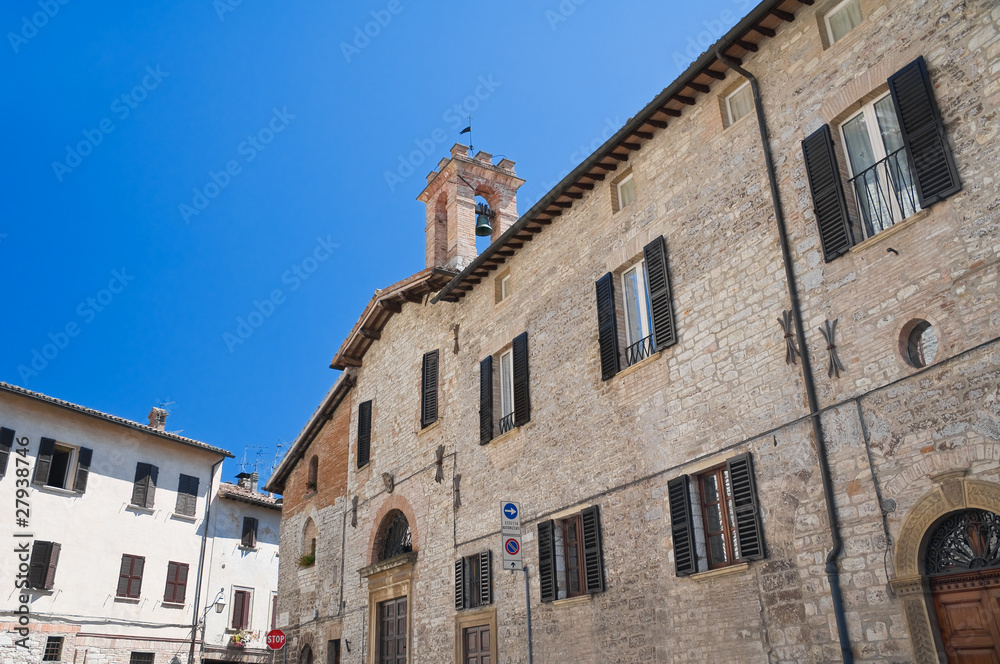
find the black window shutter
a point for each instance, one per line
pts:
(151, 485)
(829, 204)
(749, 533)
(364, 433)
(6, 443)
(429, 385)
(485, 560)
(661, 302)
(83, 469)
(460, 584)
(50, 569)
(923, 133)
(607, 326)
(547, 560)
(123, 576)
(682, 526)
(486, 400)
(44, 460)
(592, 554)
(522, 394)
(249, 532)
(139, 486)
(38, 566)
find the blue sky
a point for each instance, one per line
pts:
(200, 196)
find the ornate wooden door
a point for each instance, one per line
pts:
(968, 610)
(392, 631)
(476, 645)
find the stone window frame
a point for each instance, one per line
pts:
(823, 21)
(620, 179)
(726, 101)
(498, 284)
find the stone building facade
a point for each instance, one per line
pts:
(747, 395)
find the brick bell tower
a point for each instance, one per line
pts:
(450, 197)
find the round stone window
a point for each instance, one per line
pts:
(919, 343)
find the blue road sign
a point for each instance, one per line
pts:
(510, 511)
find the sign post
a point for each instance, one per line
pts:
(510, 535)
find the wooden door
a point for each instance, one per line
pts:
(969, 619)
(392, 631)
(476, 645)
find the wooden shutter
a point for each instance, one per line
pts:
(50, 568)
(6, 443)
(168, 590)
(82, 469)
(239, 604)
(38, 566)
(151, 485)
(180, 588)
(749, 533)
(661, 301)
(682, 526)
(547, 560)
(522, 395)
(249, 532)
(460, 584)
(135, 583)
(187, 495)
(923, 133)
(486, 400)
(124, 572)
(364, 433)
(592, 555)
(429, 389)
(144, 487)
(829, 204)
(485, 590)
(44, 460)
(607, 326)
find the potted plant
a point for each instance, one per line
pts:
(238, 639)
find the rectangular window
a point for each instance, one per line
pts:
(6, 443)
(364, 433)
(474, 580)
(242, 599)
(187, 495)
(739, 103)
(573, 551)
(130, 576)
(249, 539)
(512, 388)
(638, 326)
(176, 583)
(717, 514)
(505, 287)
(142, 658)
(42, 566)
(53, 649)
(842, 19)
(62, 466)
(429, 388)
(626, 192)
(570, 556)
(507, 391)
(144, 486)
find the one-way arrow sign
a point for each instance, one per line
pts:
(510, 531)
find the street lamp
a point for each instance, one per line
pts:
(220, 601)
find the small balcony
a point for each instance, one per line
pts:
(506, 423)
(639, 351)
(885, 193)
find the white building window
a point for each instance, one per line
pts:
(505, 287)
(638, 328)
(739, 103)
(626, 191)
(842, 19)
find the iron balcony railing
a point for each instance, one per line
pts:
(506, 423)
(639, 351)
(885, 192)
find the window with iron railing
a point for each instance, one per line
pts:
(506, 391)
(638, 327)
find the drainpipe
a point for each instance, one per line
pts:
(201, 562)
(832, 571)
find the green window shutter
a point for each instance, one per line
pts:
(429, 389)
(607, 327)
(749, 532)
(364, 433)
(83, 469)
(547, 560)
(922, 126)
(486, 400)
(829, 203)
(6, 444)
(44, 460)
(593, 557)
(661, 305)
(522, 378)
(682, 526)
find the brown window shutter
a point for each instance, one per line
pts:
(829, 204)
(239, 602)
(135, 583)
(187, 495)
(661, 299)
(151, 486)
(486, 400)
(44, 460)
(485, 590)
(6, 443)
(460, 598)
(50, 570)
(83, 469)
(547, 560)
(923, 132)
(168, 590)
(123, 575)
(180, 588)
(593, 557)
(429, 389)
(522, 379)
(607, 327)
(38, 566)
(682, 526)
(749, 532)
(364, 433)
(140, 487)
(249, 532)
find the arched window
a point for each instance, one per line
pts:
(313, 473)
(968, 540)
(307, 655)
(394, 536)
(308, 552)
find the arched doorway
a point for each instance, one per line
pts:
(962, 559)
(390, 582)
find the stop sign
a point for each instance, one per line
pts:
(275, 639)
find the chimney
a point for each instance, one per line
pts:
(248, 481)
(158, 419)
